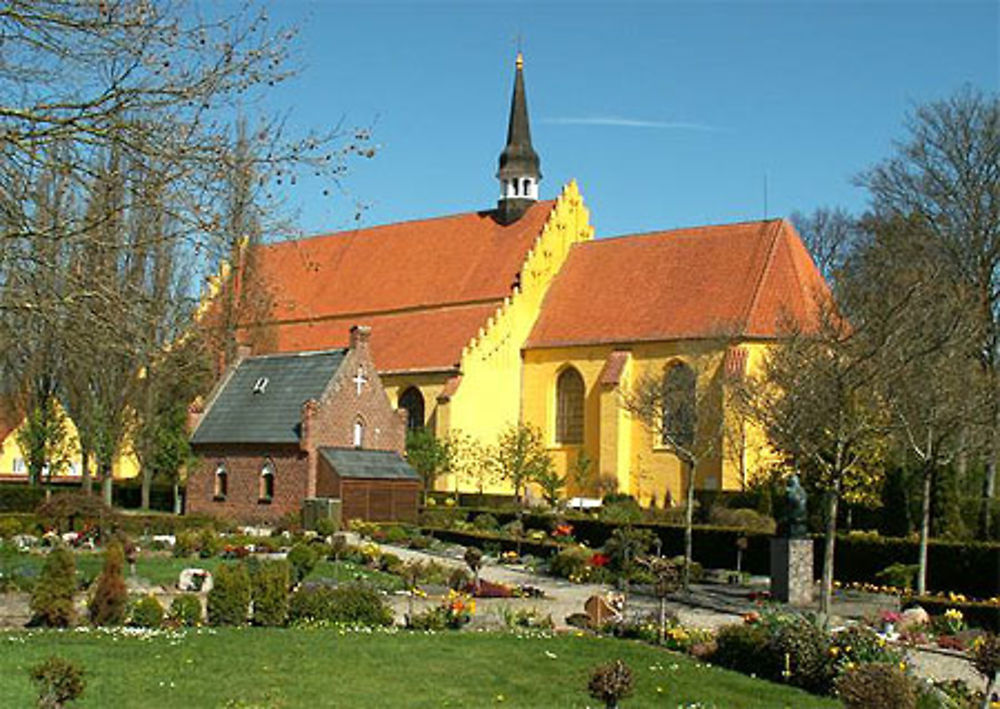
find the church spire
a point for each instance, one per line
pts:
(519, 165)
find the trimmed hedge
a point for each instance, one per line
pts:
(15, 497)
(976, 615)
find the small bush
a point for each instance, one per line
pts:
(52, 597)
(876, 685)
(186, 544)
(110, 601)
(572, 563)
(859, 644)
(229, 599)
(898, 575)
(209, 543)
(147, 613)
(986, 655)
(303, 558)
(486, 522)
(742, 518)
(623, 511)
(9, 526)
(356, 604)
(697, 572)
(269, 590)
(610, 683)
(69, 511)
(185, 610)
(800, 655)
(434, 619)
(741, 647)
(59, 681)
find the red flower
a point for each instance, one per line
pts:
(599, 559)
(562, 530)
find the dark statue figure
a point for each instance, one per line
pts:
(795, 508)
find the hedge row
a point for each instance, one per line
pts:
(16, 497)
(976, 615)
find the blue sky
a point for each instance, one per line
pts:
(667, 113)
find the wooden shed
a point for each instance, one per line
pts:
(373, 485)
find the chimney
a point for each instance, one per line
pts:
(242, 352)
(194, 415)
(309, 410)
(359, 336)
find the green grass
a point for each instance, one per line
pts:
(329, 668)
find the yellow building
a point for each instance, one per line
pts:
(517, 314)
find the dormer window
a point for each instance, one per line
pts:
(260, 385)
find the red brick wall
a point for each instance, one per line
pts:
(243, 467)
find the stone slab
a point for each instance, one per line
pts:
(792, 571)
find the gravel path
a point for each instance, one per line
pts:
(710, 606)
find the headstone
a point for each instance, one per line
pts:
(603, 609)
(195, 580)
(914, 617)
(792, 570)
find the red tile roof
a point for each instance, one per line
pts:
(737, 279)
(425, 287)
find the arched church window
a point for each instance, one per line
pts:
(359, 432)
(221, 485)
(569, 407)
(679, 406)
(267, 482)
(413, 401)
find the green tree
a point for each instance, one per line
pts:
(52, 596)
(428, 455)
(110, 601)
(520, 457)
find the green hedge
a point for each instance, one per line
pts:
(976, 615)
(15, 497)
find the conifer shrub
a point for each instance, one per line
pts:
(742, 647)
(303, 558)
(110, 601)
(185, 610)
(52, 597)
(229, 599)
(269, 591)
(209, 543)
(356, 604)
(876, 685)
(186, 544)
(59, 681)
(800, 656)
(147, 613)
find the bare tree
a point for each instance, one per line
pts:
(946, 175)
(831, 234)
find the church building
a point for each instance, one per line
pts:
(518, 313)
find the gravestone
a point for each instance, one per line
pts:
(792, 551)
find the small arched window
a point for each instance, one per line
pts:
(267, 482)
(359, 432)
(679, 406)
(221, 486)
(569, 407)
(526, 187)
(413, 401)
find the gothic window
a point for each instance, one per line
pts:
(359, 432)
(569, 407)
(221, 487)
(267, 482)
(679, 406)
(413, 401)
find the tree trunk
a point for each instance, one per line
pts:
(989, 481)
(663, 618)
(147, 483)
(925, 530)
(688, 529)
(177, 497)
(106, 484)
(86, 479)
(826, 587)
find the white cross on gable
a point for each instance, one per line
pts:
(360, 379)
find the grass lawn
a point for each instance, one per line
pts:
(258, 667)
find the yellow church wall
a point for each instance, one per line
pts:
(12, 458)
(489, 396)
(621, 446)
(429, 384)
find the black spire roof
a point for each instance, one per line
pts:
(518, 158)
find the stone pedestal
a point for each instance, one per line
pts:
(792, 571)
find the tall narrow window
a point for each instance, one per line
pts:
(413, 401)
(267, 482)
(221, 488)
(359, 433)
(569, 407)
(679, 406)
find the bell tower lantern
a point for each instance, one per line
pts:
(519, 172)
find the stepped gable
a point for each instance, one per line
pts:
(425, 287)
(744, 279)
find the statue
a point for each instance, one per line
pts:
(795, 508)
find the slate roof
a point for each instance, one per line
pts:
(425, 287)
(368, 464)
(238, 415)
(743, 279)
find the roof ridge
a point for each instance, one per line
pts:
(764, 271)
(351, 232)
(692, 228)
(304, 353)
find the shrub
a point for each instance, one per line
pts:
(229, 599)
(325, 527)
(17, 497)
(859, 644)
(52, 597)
(59, 681)
(269, 582)
(697, 572)
(624, 511)
(986, 655)
(572, 563)
(625, 546)
(455, 610)
(802, 652)
(185, 610)
(209, 543)
(610, 683)
(110, 601)
(458, 579)
(186, 544)
(434, 619)
(355, 603)
(898, 575)
(742, 518)
(741, 647)
(147, 613)
(9, 526)
(67, 511)
(303, 558)
(876, 685)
